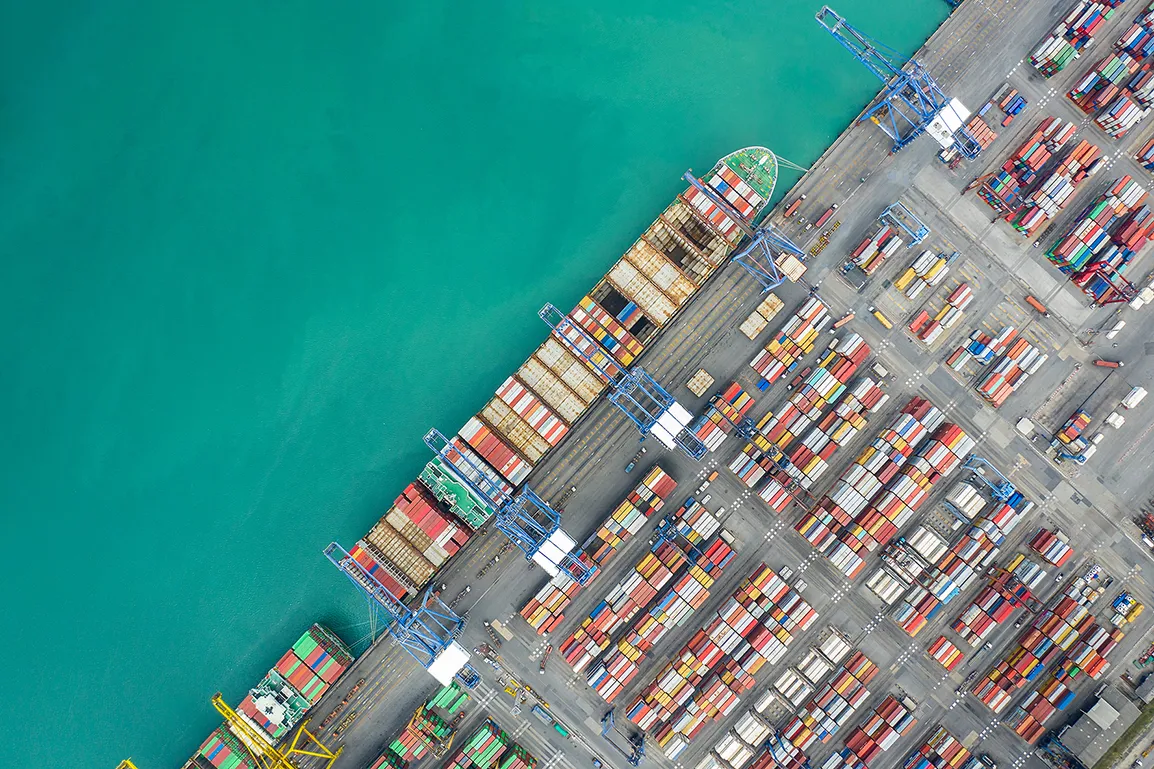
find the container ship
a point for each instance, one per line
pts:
(279, 701)
(535, 408)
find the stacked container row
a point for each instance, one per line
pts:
(1057, 189)
(1003, 189)
(928, 329)
(941, 750)
(945, 653)
(690, 526)
(863, 480)
(964, 563)
(795, 340)
(834, 705)
(1054, 546)
(888, 723)
(809, 459)
(670, 610)
(490, 747)
(904, 561)
(546, 609)
(1020, 361)
(705, 680)
(724, 412)
(1073, 34)
(760, 318)
(982, 347)
(927, 271)
(872, 252)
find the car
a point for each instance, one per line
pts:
(988, 761)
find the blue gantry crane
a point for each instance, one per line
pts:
(1002, 489)
(526, 519)
(636, 741)
(427, 632)
(911, 101)
(756, 256)
(897, 215)
(647, 404)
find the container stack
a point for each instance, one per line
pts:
(927, 271)
(834, 705)
(990, 607)
(831, 518)
(560, 379)
(1106, 236)
(1054, 546)
(1028, 719)
(1073, 34)
(430, 726)
(414, 539)
(685, 530)
(1145, 155)
(761, 466)
(739, 745)
(888, 723)
(824, 384)
(795, 340)
(903, 562)
(981, 347)
(224, 750)
(809, 459)
(945, 653)
(760, 318)
(670, 610)
(941, 750)
(546, 609)
(872, 252)
(1089, 654)
(705, 679)
(1054, 631)
(895, 504)
(1121, 115)
(1057, 189)
(1138, 39)
(964, 563)
(1002, 190)
(1020, 361)
(928, 330)
(725, 410)
(780, 754)
(1104, 82)
(491, 747)
(965, 501)
(607, 330)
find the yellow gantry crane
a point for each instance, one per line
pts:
(304, 742)
(126, 764)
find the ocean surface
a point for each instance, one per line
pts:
(250, 252)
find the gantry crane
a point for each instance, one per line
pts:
(897, 215)
(1003, 489)
(1001, 580)
(126, 764)
(636, 741)
(911, 101)
(526, 519)
(756, 257)
(647, 404)
(427, 632)
(266, 756)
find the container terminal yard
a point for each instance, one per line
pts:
(889, 513)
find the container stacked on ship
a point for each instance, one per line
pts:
(279, 702)
(546, 609)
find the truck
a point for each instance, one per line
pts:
(792, 209)
(825, 217)
(1041, 308)
(1109, 363)
(1134, 397)
(882, 319)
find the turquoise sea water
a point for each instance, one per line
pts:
(251, 251)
